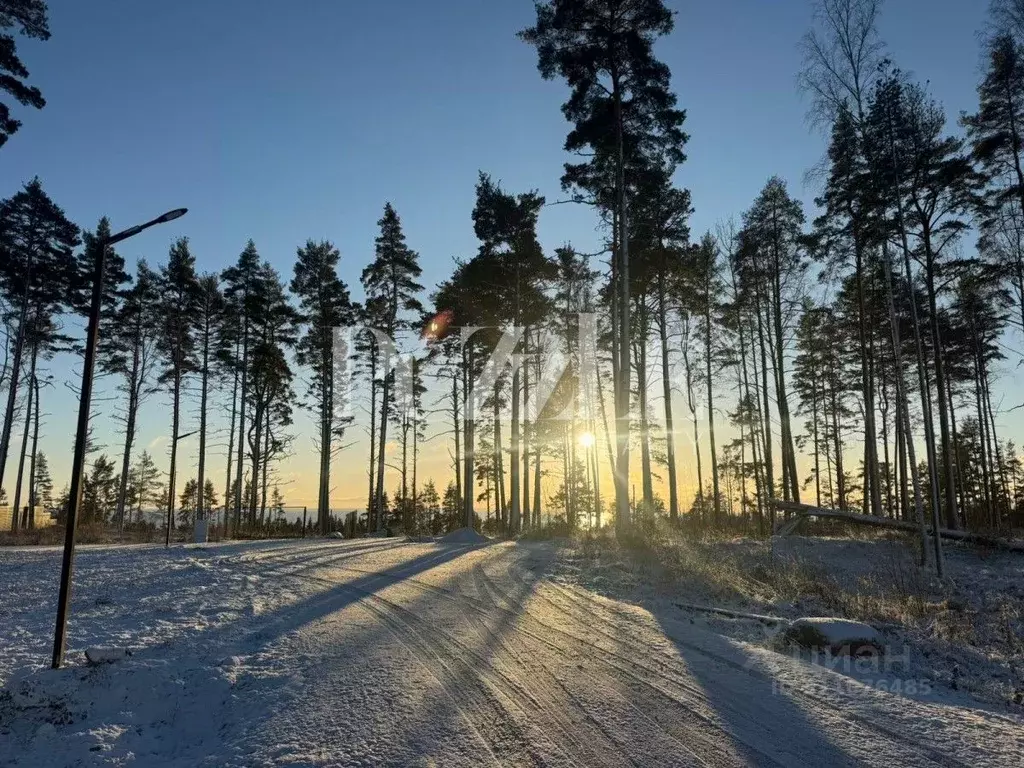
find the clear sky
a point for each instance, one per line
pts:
(285, 121)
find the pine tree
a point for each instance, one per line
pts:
(662, 233)
(241, 297)
(406, 418)
(115, 279)
(776, 263)
(177, 343)
(391, 296)
(43, 482)
(624, 117)
(450, 508)
(573, 296)
(980, 311)
(99, 491)
(706, 292)
(269, 389)
(506, 226)
(29, 18)
(932, 185)
(213, 345)
(210, 500)
(188, 504)
(131, 353)
(429, 504)
(844, 236)
(324, 305)
(37, 275)
(996, 133)
(146, 486)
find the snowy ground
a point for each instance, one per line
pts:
(960, 638)
(380, 652)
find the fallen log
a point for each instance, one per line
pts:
(804, 511)
(769, 620)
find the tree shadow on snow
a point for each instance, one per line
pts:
(760, 713)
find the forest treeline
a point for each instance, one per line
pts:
(849, 352)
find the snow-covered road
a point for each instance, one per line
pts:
(381, 652)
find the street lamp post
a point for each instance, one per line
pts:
(85, 402)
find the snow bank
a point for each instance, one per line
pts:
(464, 536)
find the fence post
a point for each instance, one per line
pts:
(304, 522)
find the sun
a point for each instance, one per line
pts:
(587, 440)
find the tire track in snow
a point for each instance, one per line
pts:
(564, 715)
(502, 741)
(689, 706)
(712, 750)
(709, 756)
(639, 672)
(649, 677)
(499, 711)
(841, 716)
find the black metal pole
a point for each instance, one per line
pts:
(81, 437)
(167, 535)
(78, 464)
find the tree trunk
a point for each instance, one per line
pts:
(711, 413)
(175, 423)
(983, 440)
(817, 453)
(873, 497)
(837, 444)
(323, 502)
(33, 491)
(515, 459)
(129, 435)
(204, 386)
(691, 403)
(16, 516)
(785, 423)
(231, 447)
(666, 389)
(267, 442)
(622, 393)
(646, 471)
(256, 448)
(242, 435)
(604, 422)
(884, 412)
(497, 465)
(371, 473)
(901, 446)
(755, 432)
(12, 389)
(952, 519)
(405, 467)
(766, 415)
(382, 445)
(456, 430)
(469, 424)
(536, 488)
(987, 398)
(415, 466)
(527, 432)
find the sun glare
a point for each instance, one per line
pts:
(587, 440)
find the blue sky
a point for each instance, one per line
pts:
(286, 121)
